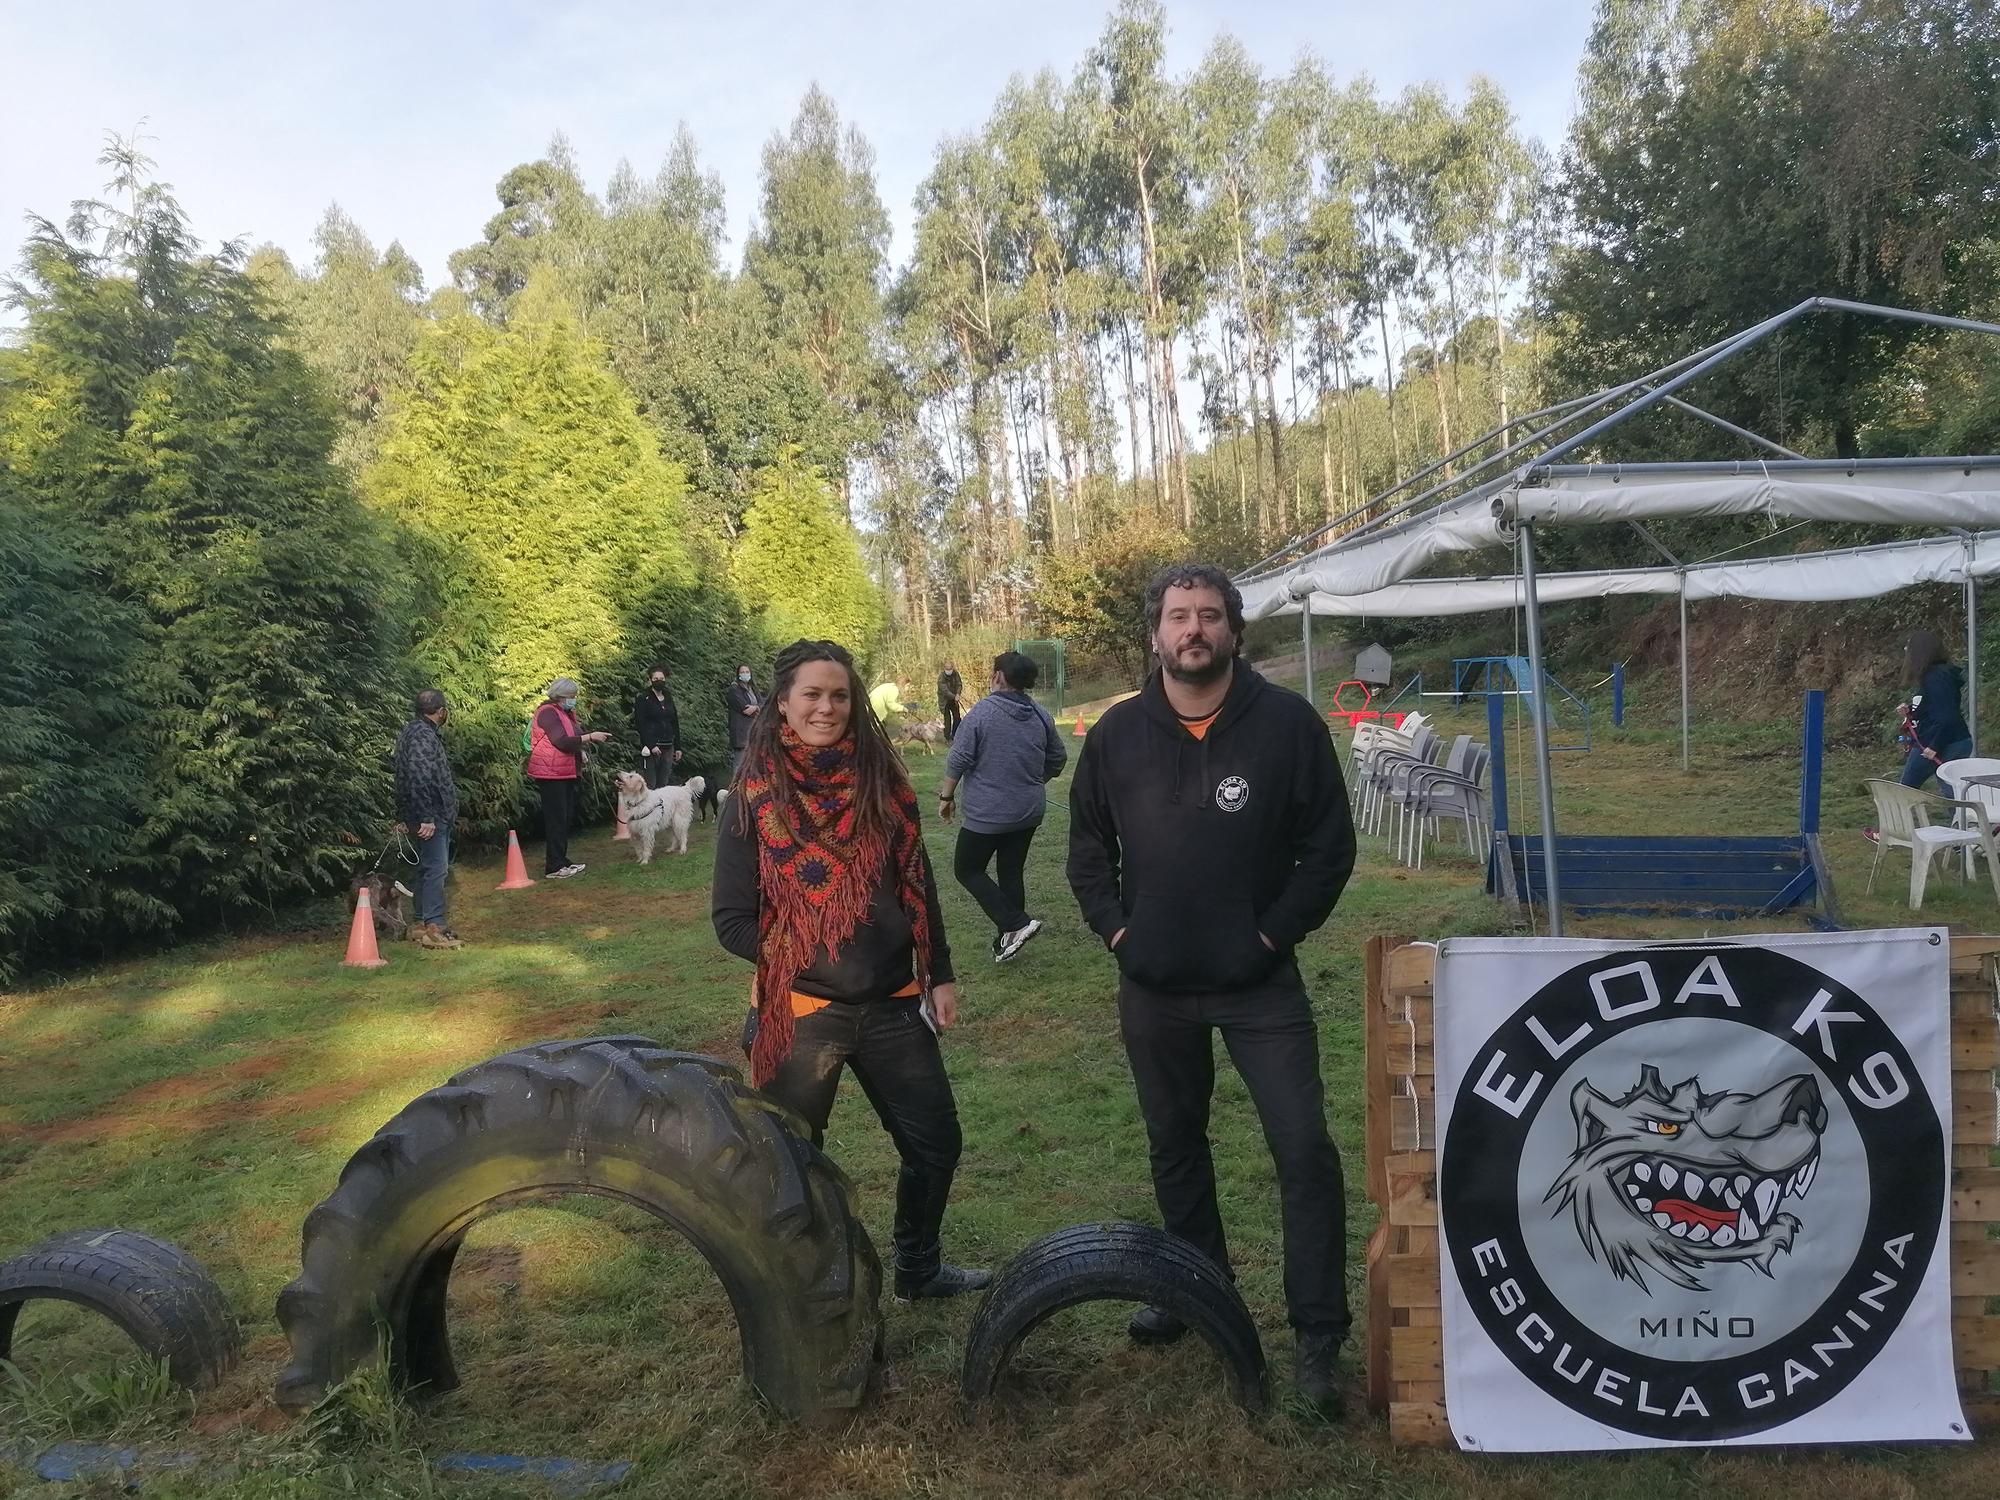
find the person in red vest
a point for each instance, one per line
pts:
(555, 764)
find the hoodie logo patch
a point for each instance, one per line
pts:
(1231, 793)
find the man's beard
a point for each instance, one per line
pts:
(1213, 670)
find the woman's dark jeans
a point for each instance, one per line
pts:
(1004, 901)
(1919, 768)
(894, 1053)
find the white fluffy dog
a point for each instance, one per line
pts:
(650, 812)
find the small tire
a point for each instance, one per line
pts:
(1114, 1263)
(620, 1117)
(156, 1292)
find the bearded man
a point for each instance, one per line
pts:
(1209, 834)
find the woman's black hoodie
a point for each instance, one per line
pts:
(1197, 846)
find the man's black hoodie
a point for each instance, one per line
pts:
(1197, 846)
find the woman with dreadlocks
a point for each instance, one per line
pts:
(1934, 713)
(821, 880)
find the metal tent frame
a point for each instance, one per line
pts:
(1525, 464)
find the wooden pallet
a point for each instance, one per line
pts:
(1405, 1335)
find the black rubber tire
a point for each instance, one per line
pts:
(620, 1117)
(156, 1292)
(1114, 1263)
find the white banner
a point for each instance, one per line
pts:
(1695, 1192)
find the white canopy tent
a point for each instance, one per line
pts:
(1373, 568)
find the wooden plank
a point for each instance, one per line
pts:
(1413, 1201)
(1975, 1043)
(1379, 1332)
(1413, 1280)
(1975, 1195)
(1971, 1276)
(1975, 1343)
(1419, 1424)
(1969, 1155)
(1412, 1164)
(1411, 968)
(1974, 1004)
(1974, 1117)
(1375, 1089)
(1418, 1353)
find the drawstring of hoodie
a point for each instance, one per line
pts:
(1180, 741)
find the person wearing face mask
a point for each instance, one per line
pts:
(658, 725)
(427, 804)
(821, 881)
(1209, 834)
(555, 764)
(739, 705)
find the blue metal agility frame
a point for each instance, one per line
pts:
(1719, 875)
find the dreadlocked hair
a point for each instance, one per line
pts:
(878, 769)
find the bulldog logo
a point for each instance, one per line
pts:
(1678, 1180)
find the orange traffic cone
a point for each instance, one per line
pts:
(517, 868)
(1078, 732)
(361, 950)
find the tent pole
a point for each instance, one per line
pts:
(1971, 651)
(1684, 671)
(1552, 888)
(1306, 634)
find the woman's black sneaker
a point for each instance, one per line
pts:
(945, 1281)
(1155, 1325)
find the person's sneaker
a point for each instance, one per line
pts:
(1316, 1372)
(430, 936)
(1871, 834)
(565, 872)
(1155, 1325)
(946, 1281)
(457, 941)
(1015, 941)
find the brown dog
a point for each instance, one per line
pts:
(387, 899)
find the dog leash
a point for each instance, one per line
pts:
(407, 853)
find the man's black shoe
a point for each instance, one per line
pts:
(945, 1281)
(1316, 1372)
(1155, 1325)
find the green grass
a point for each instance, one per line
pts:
(211, 1095)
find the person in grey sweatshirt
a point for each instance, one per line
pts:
(1006, 750)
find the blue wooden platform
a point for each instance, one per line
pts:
(1713, 876)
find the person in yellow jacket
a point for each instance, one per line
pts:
(886, 698)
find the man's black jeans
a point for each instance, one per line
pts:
(1005, 901)
(1271, 1039)
(895, 1054)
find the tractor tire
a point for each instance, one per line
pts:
(1114, 1263)
(156, 1292)
(620, 1117)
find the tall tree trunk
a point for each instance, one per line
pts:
(1249, 343)
(1176, 430)
(1325, 445)
(1499, 347)
(1444, 409)
(1389, 376)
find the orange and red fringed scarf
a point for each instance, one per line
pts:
(817, 878)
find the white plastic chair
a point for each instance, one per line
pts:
(1903, 821)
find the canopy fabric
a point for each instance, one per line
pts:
(1848, 573)
(1944, 492)
(1906, 495)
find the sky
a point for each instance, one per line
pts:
(406, 115)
